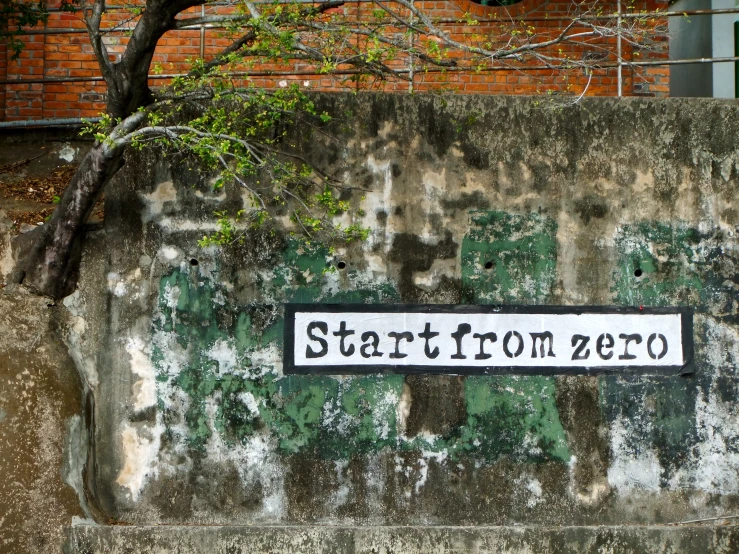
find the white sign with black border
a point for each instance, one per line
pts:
(487, 340)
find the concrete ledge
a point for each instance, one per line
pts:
(683, 539)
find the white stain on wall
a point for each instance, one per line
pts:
(256, 461)
(631, 468)
(165, 192)
(717, 461)
(224, 354)
(144, 390)
(67, 153)
(140, 447)
(75, 340)
(6, 256)
(533, 486)
(379, 200)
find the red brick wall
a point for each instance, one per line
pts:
(69, 56)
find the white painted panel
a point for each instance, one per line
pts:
(421, 351)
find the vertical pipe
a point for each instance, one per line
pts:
(3, 75)
(618, 52)
(202, 33)
(43, 74)
(411, 67)
(736, 64)
(357, 81)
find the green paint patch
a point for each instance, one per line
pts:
(508, 258)
(514, 417)
(301, 275)
(661, 264)
(218, 370)
(658, 415)
(229, 392)
(301, 410)
(658, 265)
(361, 418)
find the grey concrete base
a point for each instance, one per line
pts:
(683, 539)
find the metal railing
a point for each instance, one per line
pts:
(620, 63)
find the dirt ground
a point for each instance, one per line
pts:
(33, 197)
(35, 167)
(31, 187)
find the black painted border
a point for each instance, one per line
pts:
(289, 367)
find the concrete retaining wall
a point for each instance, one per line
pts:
(408, 540)
(195, 423)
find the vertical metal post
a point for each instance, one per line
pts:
(411, 67)
(43, 73)
(202, 33)
(357, 81)
(619, 52)
(736, 64)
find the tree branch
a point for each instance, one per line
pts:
(208, 19)
(223, 57)
(98, 46)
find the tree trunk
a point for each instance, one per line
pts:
(47, 257)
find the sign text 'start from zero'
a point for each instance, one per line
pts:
(479, 340)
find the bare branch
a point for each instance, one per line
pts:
(208, 20)
(92, 21)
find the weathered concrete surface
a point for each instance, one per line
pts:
(180, 346)
(39, 404)
(42, 432)
(406, 540)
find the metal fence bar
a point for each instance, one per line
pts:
(202, 34)
(447, 21)
(309, 73)
(620, 76)
(52, 122)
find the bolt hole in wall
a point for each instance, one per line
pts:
(193, 262)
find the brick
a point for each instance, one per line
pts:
(67, 97)
(33, 63)
(52, 104)
(53, 56)
(32, 46)
(57, 73)
(65, 113)
(71, 55)
(30, 112)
